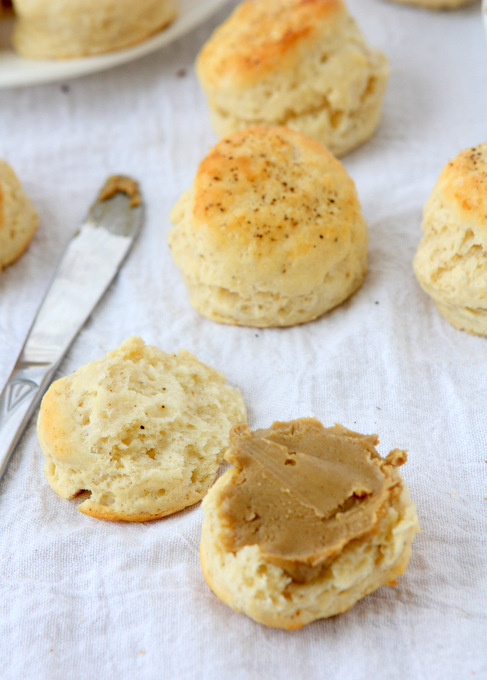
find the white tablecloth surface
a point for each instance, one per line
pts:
(85, 598)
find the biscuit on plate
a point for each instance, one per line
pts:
(271, 232)
(304, 65)
(451, 258)
(307, 522)
(78, 28)
(18, 218)
(435, 4)
(142, 431)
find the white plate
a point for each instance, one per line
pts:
(16, 71)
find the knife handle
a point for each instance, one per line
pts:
(18, 400)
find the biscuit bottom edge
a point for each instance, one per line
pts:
(270, 309)
(468, 319)
(340, 138)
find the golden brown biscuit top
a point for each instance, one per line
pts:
(261, 34)
(463, 181)
(275, 195)
(302, 492)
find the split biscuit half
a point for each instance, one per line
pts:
(141, 431)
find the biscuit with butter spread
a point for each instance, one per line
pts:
(308, 521)
(140, 432)
(271, 233)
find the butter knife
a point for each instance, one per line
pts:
(87, 267)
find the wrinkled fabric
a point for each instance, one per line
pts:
(81, 597)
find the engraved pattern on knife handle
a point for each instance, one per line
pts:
(16, 391)
(17, 403)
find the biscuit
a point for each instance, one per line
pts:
(435, 4)
(18, 218)
(451, 259)
(304, 65)
(77, 28)
(142, 431)
(271, 232)
(330, 535)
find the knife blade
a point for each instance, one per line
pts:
(87, 267)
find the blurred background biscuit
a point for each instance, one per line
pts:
(142, 431)
(18, 218)
(435, 4)
(271, 232)
(451, 258)
(304, 65)
(76, 28)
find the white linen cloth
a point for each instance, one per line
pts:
(85, 598)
